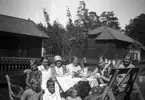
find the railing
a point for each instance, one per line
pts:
(12, 66)
(14, 60)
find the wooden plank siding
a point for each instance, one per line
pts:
(115, 50)
(20, 45)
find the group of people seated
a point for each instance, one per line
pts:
(42, 83)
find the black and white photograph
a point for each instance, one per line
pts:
(72, 49)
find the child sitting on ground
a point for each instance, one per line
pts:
(34, 92)
(73, 95)
(52, 92)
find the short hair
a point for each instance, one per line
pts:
(74, 57)
(128, 57)
(42, 58)
(49, 81)
(34, 61)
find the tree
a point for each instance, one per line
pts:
(73, 39)
(69, 37)
(109, 19)
(136, 28)
(55, 32)
(82, 17)
(57, 35)
(46, 42)
(81, 29)
(94, 21)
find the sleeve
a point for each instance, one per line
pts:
(39, 67)
(67, 68)
(64, 69)
(79, 68)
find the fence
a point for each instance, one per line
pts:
(13, 66)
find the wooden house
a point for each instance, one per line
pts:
(20, 40)
(107, 42)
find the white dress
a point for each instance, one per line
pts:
(71, 68)
(59, 71)
(46, 75)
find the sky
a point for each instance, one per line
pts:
(123, 9)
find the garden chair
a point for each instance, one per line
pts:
(15, 86)
(107, 91)
(131, 84)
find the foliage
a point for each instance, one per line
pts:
(136, 28)
(109, 19)
(94, 21)
(54, 44)
(46, 42)
(72, 40)
(81, 28)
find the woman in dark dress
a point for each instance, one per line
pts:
(33, 73)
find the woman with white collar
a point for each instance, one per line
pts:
(58, 69)
(46, 71)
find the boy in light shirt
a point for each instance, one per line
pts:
(52, 92)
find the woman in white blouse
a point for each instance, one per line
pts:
(74, 67)
(46, 71)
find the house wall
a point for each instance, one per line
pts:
(116, 50)
(19, 45)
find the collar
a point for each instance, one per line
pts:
(49, 94)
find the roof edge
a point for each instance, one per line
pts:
(15, 17)
(39, 29)
(109, 32)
